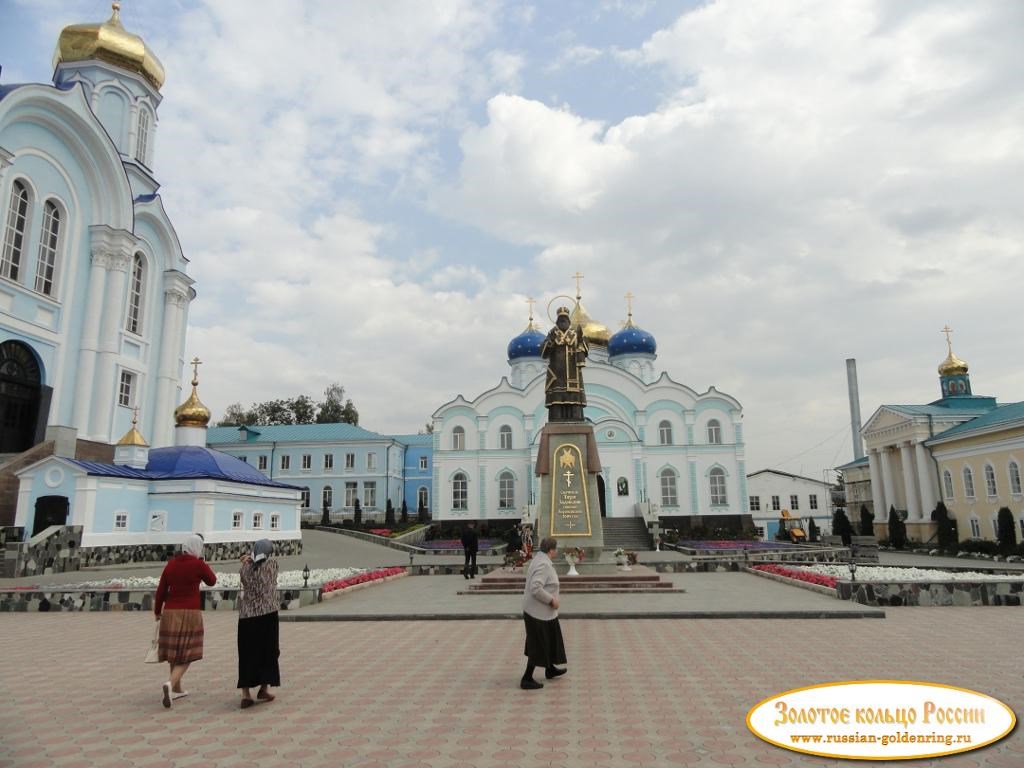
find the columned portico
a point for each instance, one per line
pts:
(177, 294)
(888, 486)
(910, 482)
(927, 479)
(113, 311)
(877, 494)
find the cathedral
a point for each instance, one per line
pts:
(94, 287)
(666, 450)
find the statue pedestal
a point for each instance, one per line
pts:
(568, 466)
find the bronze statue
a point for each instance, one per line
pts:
(566, 351)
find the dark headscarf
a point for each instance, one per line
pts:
(262, 550)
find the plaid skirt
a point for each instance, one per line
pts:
(181, 635)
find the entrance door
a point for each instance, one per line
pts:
(600, 495)
(50, 510)
(19, 397)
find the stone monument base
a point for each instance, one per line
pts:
(568, 466)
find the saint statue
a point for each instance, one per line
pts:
(566, 352)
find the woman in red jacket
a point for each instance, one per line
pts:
(177, 609)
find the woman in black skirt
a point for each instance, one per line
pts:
(544, 647)
(257, 624)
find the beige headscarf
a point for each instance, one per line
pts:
(193, 545)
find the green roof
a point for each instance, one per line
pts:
(861, 462)
(418, 439)
(292, 433)
(1003, 414)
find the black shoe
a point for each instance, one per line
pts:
(464, 575)
(552, 672)
(529, 684)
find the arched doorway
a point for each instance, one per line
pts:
(50, 510)
(600, 495)
(20, 389)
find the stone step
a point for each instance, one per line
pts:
(666, 589)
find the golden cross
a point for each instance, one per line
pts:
(568, 474)
(577, 277)
(947, 330)
(196, 362)
(531, 301)
(135, 415)
(629, 304)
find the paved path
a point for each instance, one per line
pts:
(75, 692)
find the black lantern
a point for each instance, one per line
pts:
(853, 570)
(305, 576)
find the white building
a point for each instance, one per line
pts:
(771, 491)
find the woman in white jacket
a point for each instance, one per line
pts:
(544, 647)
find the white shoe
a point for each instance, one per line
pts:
(166, 687)
(178, 694)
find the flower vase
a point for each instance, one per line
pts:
(622, 563)
(572, 567)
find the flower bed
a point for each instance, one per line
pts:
(799, 574)
(715, 544)
(877, 573)
(285, 580)
(361, 578)
(483, 546)
(385, 532)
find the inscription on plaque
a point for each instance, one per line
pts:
(570, 509)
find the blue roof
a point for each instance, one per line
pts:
(950, 405)
(185, 463)
(1006, 413)
(418, 439)
(631, 340)
(526, 344)
(861, 462)
(292, 433)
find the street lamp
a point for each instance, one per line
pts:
(853, 570)
(305, 576)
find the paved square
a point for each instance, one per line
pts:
(443, 693)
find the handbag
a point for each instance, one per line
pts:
(153, 655)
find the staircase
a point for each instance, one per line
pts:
(626, 532)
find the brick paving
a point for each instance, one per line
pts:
(443, 694)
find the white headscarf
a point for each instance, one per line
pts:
(193, 545)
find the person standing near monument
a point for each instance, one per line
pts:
(258, 628)
(566, 351)
(544, 646)
(470, 545)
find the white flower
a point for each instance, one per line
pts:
(285, 580)
(886, 573)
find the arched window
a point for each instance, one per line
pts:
(968, 483)
(304, 501)
(49, 236)
(506, 491)
(328, 497)
(14, 234)
(669, 495)
(717, 483)
(142, 139)
(1014, 478)
(422, 498)
(458, 439)
(505, 437)
(990, 480)
(947, 484)
(665, 433)
(714, 432)
(460, 491)
(135, 293)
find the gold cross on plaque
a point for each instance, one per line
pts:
(568, 475)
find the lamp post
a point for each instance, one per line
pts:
(853, 570)
(305, 576)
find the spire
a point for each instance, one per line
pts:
(133, 436)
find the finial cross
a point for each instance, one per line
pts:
(196, 362)
(577, 277)
(531, 301)
(629, 304)
(135, 415)
(947, 330)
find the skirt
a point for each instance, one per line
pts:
(544, 647)
(181, 635)
(258, 651)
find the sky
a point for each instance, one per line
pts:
(369, 192)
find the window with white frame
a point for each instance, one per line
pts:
(328, 461)
(460, 491)
(304, 498)
(371, 461)
(261, 463)
(947, 484)
(136, 289)
(812, 500)
(505, 437)
(126, 389)
(423, 462)
(506, 491)
(1014, 470)
(990, 480)
(669, 491)
(776, 504)
(458, 439)
(794, 501)
(14, 232)
(716, 482)
(307, 462)
(975, 528)
(714, 432)
(755, 503)
(351, 493)
(665, 433)
(995, 529)
(286, 462)
(422, 498)
(327, 497)
(257, 519)
(142, 138)
(370, 494)
(49, 237)
(121, 521)
(275, 522)
(236, 520)
(968, 483)
(350, 461)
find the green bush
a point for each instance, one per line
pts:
(897, 529)
(980, 546)
(1006, 531)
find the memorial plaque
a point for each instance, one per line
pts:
(570, 507)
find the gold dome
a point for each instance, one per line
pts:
(112, 43)
(133, 436)
(595, 333)
(192, 413)
(952, 366)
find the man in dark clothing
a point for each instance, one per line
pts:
(470, 544)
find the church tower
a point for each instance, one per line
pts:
(524, 354)
(192, 417)
(632, 348)
(953, 377)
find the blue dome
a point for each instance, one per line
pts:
(631, 340)
(526, 344)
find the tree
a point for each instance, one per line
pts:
(303, 410)
(867, 521)
(421, 513)
(236, 416)
(349, 414)
(428, 428)
(1006, 531)
(274, 412)
(812, 530)
(405, 512)
(947, 527)
(841, 527)
(389, 514)
(334, 408)
(897, 529)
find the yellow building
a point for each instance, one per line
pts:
(979, 465)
